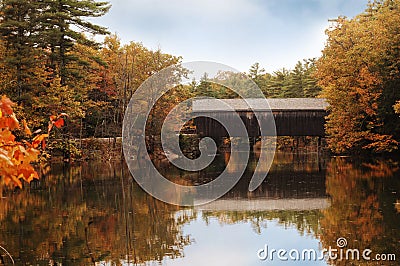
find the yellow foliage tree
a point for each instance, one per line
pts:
(359, 72)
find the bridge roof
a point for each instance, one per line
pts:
(275, 104)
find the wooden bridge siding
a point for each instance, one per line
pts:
(288, 123)
(300, 123)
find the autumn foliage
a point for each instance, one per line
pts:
(16, 156)
(359, 73)
(362, 206)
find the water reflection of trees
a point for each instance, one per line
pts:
(364, 197)
(81, 215)
(363, 207)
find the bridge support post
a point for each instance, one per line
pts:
(318, 150)
(318, 144)
(252, 141)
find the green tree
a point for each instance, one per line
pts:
(18, 32)
(204, 86)
(311, 87)
(256, 73)
(299, 82)
(60, 22)
(302, 83)
(278, 86)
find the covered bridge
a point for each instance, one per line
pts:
(293, 116)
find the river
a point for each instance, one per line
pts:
(94, 213)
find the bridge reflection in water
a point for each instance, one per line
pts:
(265, 204)
(295, 182)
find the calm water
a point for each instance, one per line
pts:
(94, 214)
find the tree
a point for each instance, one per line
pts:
(18, 32)
(128, 66)
(256, 73)
(302, 78)
(59, 23)
(43, 52)
(359, 75)
(278, 85)
(297, 83)
(203, 88)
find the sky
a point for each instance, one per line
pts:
(238, 33)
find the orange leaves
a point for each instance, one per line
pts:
(5, 159)
(15, 164)
(6, 135)
(26, 128)
(6, 105)
(39, 139)
(381, 143)
(358, 74)
(27, 173)
(16, 157)
(57, 121)
(9, 121)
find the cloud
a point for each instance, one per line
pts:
(275, 33)
(178, 13)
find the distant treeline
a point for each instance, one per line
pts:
(297, 83)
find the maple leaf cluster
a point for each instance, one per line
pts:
(16, 157)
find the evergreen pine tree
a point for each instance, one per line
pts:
(18, 32)
(63, 23)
